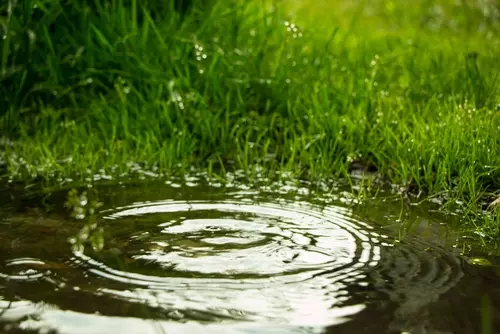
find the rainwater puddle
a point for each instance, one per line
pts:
(194, 257)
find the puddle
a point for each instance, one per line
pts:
(195, 257)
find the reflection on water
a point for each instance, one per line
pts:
(293, 267)
(212, 259)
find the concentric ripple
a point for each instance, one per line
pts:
(247, 261)
(414, 276)
(224, 260)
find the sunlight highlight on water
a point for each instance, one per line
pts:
(184, 256)
(260, 262)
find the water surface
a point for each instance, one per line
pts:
(194, 256)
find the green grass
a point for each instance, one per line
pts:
(411, 89)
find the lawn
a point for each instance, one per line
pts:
(409, 90)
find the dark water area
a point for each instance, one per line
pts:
(193, 256)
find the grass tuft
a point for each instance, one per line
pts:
(310, 88)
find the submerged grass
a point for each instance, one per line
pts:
(311, 88)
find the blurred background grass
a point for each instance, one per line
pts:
(410, 89)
